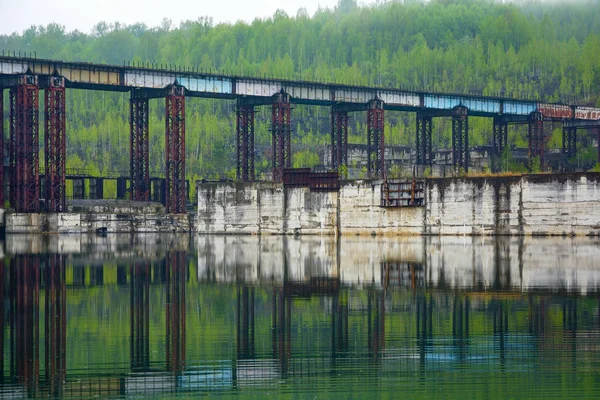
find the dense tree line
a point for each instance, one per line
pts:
(526, 50)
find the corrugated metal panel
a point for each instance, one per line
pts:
(354, 95)
(90, 76)
(519, 107)
(554, 110)
(308, 92)
(154, 81)
(12, 68)
(255, 88)
(206, 84)
(588, 113)
(442, 102)
(400, 99)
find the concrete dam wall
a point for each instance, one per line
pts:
(557, 204)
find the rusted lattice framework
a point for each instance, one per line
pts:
(140, 316)
(424, 142)
(569, 147)
(55, 144)
(281, 134)
(375, 139)
(24, 146)
(535, 136)
(460, 138)
(139, 155)
(499, 134)
(175, 150)
(245, 141)
(25, 321)
(339, 138)
(55, 324)
(175, 313)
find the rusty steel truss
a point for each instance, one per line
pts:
(375, 139)
(281, 134)
(245, 142)
(55, 143)
(175, 311)
(535, 136)
(339, 138)
(175, 150)
(24, 148)
(460, 139)
(569, 147)
(499, 135)
(424, 142)
(139, 161)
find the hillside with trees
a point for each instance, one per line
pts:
(548, 51)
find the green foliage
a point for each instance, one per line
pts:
(596, 168)
(395, 172)
(535, 165)
(529, 50)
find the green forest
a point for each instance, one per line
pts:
(548, 51)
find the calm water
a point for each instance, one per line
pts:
(164, 316)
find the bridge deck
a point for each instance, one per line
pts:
(153, 82)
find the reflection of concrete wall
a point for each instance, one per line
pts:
(480, 263)
(253, 259)
(530, 205)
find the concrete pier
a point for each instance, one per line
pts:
(557, 204)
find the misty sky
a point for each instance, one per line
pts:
(18, 15)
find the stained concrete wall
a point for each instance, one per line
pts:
(558, 204)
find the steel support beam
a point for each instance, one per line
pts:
(281, 134)
(375, 139)
(55, 145)
(569, 147)
(175, 150)
(535, 136)
(175, 313)
(55, 324)
(339, 138)
(499, 135)
(1, 147)
(24, 146)
(245, 142)
(140, 317)
(424, 141)
(460, 139)
(2, 354)
(139, 154)
(25, 321)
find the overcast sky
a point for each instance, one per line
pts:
(18, 15)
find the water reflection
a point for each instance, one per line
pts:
(150, 315)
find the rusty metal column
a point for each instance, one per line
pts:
(460, 139)
(424, 142)
(175, 150)
(375, 139)
(500, 135)
(569, 147)
(25, 323)
(25, 145)
(281, 134)
(175, 312)
(139, 154)
(535, 136)
(140, 316)
(2, 355)
(245, 323)
(339, 138)
(2, 147)
(55, 144)
(245, 141)
(55, 324)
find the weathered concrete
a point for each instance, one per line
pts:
(558, 204)
(86, 216)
